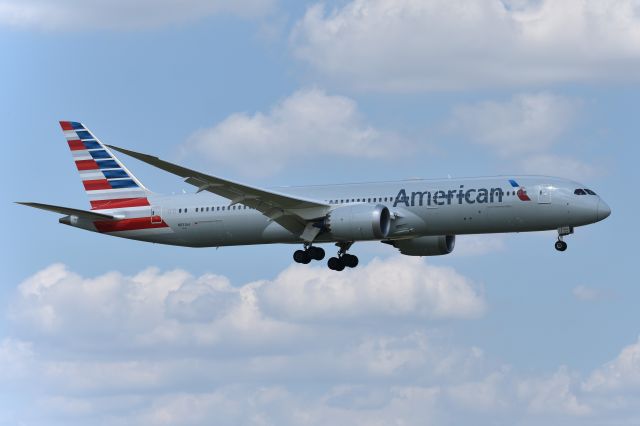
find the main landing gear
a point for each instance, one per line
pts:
(343, 259)
(337, 263)
(308, 254)
(560, 245)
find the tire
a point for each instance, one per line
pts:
(301, 256)
(561, 245)
(335, 264)
(317, 253)
(350, 260)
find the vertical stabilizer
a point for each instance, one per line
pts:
(107, 182)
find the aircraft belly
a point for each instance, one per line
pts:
(476, 219)
(457, 219)
(243, 230)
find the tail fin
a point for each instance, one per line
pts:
(106, 180)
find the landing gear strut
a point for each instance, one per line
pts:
(560, 245)
(308, 254)
(343, 259)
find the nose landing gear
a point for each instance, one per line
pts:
(560, 245)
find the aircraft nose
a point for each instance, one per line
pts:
(603, 210)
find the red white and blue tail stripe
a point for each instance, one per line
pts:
(111, 187)
(106, 180)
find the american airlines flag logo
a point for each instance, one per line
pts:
(521, 191)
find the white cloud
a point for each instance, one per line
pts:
(305, 126)
(409, 45)
(174, 308)
(620, 374)
(524, 129)
(16, 357)
(75, 15)
(585, 293)
(140, 311)
(160, 346)
(336, 349)
(398, 287)
(485, 395)
(525, 124)
(478, 245)
(553, 394)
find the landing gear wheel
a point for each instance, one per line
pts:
(350, 260)
(335, 264)
(561, 245)
(316, 253)
(301, 256)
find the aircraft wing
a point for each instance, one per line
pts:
(293, 213)
(69, 211)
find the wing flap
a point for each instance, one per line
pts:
(69, 211)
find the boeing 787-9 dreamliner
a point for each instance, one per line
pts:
(417, 217)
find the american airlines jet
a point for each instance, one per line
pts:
(417, 217)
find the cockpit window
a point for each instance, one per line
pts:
(579, 192)
(590, 192)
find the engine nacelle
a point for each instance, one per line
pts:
(359, 222)
(426, 246)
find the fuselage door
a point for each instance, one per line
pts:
(156, 215)
(544, 195)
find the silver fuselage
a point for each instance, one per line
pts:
(418, 207)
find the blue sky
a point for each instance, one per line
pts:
(505, 330)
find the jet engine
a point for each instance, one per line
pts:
(359, 222)
(426, 246)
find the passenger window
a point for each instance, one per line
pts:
(179, 210)
(579, 192)
(185, 210)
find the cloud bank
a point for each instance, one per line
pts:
(305, 126)
(423, 45)
(526, 129)
(367, 348)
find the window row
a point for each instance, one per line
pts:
(362, 200)
(215, 209)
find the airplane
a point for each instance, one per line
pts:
(419, 217)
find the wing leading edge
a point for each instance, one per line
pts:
(294, 214)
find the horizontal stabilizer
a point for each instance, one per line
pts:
(69, 211)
